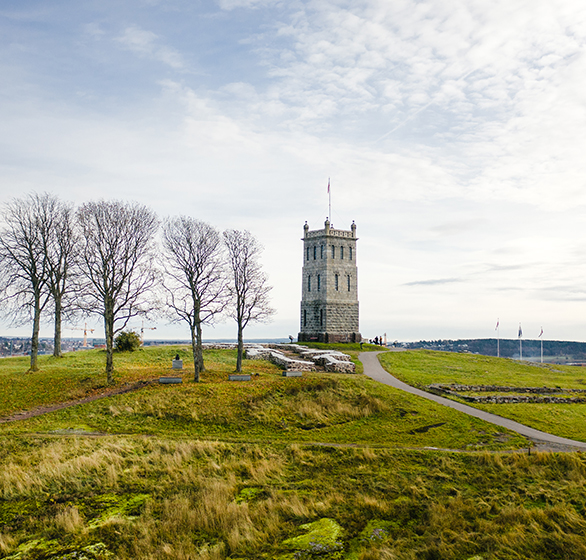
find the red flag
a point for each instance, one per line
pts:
(328, 185)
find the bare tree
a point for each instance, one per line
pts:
(195, 280)
(248, 287)
(117, 262)
(23, 261)
(60, 248)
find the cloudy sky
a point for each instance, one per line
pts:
(453, 132)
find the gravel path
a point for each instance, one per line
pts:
(542, 440)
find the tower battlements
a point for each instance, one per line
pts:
(329, 295)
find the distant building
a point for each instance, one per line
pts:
(329, 295)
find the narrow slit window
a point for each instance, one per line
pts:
(314, 252)
(348, 282)
(337, 282)
(309, 283)
(305, 317)
(321, 249)
(350, 248)
(318, 282)
(341, 252)
(308, 253)
(321, 317)
(333, 252)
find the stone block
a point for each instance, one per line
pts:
(238, 377)
(170, 380)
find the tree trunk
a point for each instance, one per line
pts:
(35, 336)
(109, 331)
(194, 351)
(199, 349)
(57, 338)
(240, 349)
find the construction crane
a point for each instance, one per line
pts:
(85, 330)
(142, 332)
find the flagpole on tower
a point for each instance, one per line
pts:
(329, 200)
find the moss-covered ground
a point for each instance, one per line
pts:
(328, 466)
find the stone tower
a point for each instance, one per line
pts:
(329, 295)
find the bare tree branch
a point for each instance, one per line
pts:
(25, 271)
(248, 289)
(195, 280)
(117, 263)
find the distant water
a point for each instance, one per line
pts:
(218, 341)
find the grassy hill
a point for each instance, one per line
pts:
(423, 367)
(327, 466)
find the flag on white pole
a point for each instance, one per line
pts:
(520, 331)
(497, 325)
(540, 333)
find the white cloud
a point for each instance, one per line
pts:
(453, 134)
(146, 43)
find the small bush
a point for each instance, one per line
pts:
(127, 341)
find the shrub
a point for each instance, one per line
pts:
(127, 341)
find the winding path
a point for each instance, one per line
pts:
(374, 370)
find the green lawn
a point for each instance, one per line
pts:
(421, 368)
(324, 467)
(329, 408)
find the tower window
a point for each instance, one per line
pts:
(314, 252)
(309, 283)
(321, 317)
(341, 252)
(348, 282)
(350, 253)
(321, 249)
(333, 252)
(305, 317)
(337, 286)
(318, 282)
(308, 253)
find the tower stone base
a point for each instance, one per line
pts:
(329, 338)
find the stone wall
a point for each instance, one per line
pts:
(536, 394)
(330, 360)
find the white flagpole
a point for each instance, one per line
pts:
(329, 200)
(498, 337)
(520, 343)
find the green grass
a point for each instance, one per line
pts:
(328, 466)
(325, 408)
(146, 498)
(421, 368)
(80, 374)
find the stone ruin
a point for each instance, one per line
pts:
(330, 360)
(536, 394)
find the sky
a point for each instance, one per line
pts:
(453, 134)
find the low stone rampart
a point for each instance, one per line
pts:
(536, 394)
